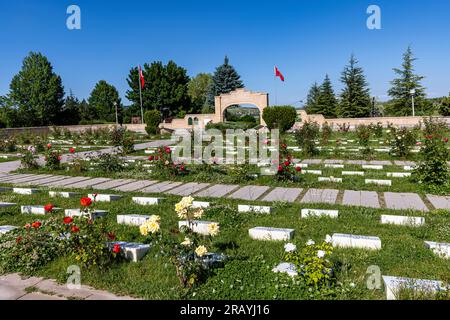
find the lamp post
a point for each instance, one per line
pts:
(117, 115)
(413, 93)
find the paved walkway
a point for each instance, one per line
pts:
(369, 199)
(14, 287)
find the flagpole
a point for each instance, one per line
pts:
(140, 97)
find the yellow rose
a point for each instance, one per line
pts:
(155, 219)
(213, 229)
(153, 226)
(198, 213)
(201, 251)
(187, 242)
(144, 230)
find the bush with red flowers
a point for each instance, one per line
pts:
(52, 158)
(287, 171)
(165, 167)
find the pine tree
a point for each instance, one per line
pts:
(312, 106)
(225, 79)
(327, 102)
(400, 92)
(103, 99)
(70, 113)
(355, 97)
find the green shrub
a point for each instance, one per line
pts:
(402, 140)
(52, 159)
(364, 133)
(376, 129)
(306, 138)
(28, 160)
(108, 162)
(152, 120)
(327, 131)
(444, 108)
(280, 117)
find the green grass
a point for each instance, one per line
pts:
(248, 275)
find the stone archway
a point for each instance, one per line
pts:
(241, 96)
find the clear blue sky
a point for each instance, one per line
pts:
(305, 39)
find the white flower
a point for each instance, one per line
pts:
(290, 247)
(310, 243)
(187, 242)
(320, 254)
(328, 239)
(201, 251)
(352, 285)
(213, 229)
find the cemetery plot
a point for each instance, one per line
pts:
(356, 241)
(440, 249)
(275, 234)
(256, 209)
(200, 227)
(402, 220)
(104, 197)
(319, 213)
(79, 213)
(146, 201)
(132, 219)
(393, 286)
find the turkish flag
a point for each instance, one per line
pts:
(141, 78)
(278, 74)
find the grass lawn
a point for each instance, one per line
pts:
(247, 275)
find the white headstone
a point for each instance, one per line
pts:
(200, 204)
(25, 191)
(200, 227)
(402, 220)
(6, 229)
(145, 201)
(266, 233)
(335, 166)
(319, 213)
(40, 210)
(441, 249)
(132, 219)
(330, 179)
(63, 194)
(78, 213)
(379, 182)
(132, 251)
(399, 174)
(104, 197)
(372, 167)
(353, 173)
(392, 286)
(257, 209)
(356, 241)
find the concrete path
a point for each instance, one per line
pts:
(14, 287)
(368, 199)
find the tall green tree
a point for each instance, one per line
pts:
(225, 79)
(70, 114)
(36, 92)
(103, 100)
(198, 91)
(312, 101)
(166, 86)
(86, 112)
(355, 97)
(400, 91)
(327, 102)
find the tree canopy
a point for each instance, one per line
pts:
(224, 80)
(103, 100)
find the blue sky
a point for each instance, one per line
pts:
(305, 39)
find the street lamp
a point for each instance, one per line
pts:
(413, 93)
(117, 115)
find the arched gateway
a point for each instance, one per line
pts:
(222, 102)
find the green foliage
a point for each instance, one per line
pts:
(165, 86)
(306, 137)
(402, 140)
(198, 91)
(224, 126)
(70, 113)
(280, 117)
(376, 129)
(355, 97)
(401, 87)
(52, 159)
(312, 102)
(314, 266)
(224, 80)
(152, 120)
(8, 145)
(363, 134)
(28, 160)
(327, 103)
(327, 131)
(165, 166)
(103, 101)
(109, 162)
(36, 93)
(444, 108)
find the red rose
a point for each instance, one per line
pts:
(49, 146)
(72, 150)
(298, 169)
(429, 136)
(445, 140)
(68, 220)
(283, 146)
(280, 168)
(19, 239)
(59, 158)
(287, 163)
(111, 236)
(86, 202)
(27, 226)
(49, 208)
(116, 248)
(75, 229)
(182, 168)
(36, 225)
(151, 158)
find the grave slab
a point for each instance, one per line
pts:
(356, 241)
(379, 182)
(404, 201)
(88, 183)
(249, 192)
(320, 196)
(78, 213)
(217, 191)
(147, 201)
(402, 220)
(441, 249)
(392, 286)
(45, 181)
(330, 179)
(356, 162)
(398, 174)
(134, 186)
(256, 209)
(188, 189)
(316, 172)
(372, 167)
(353, 173)
(63, 194)
(7, 204)
(333, 161)
(312, 161)
(69, 182)
(132, 251)
(104, 197)
(283, 194)
(25, 191)
(439, 202)
(334, 166)
(6, 229)
(361, 198)
(29, 179)
(112, 184)
(38, 210)
(132, 219)
(306, 213)
(275, 234)
(200, 227)
(289, 268)
(200, 204)
(161, 187)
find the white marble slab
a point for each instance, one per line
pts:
(132, 251)
(441, 249)
(353, 173)
(356, 241)
(40, 210)
(335, 166)
(132, 219)
(105, 197)
(147, 201)
(399, 174)
(266, 233)
(306, 213)
(402, 220)
(200, 227)
(25, 191)
(256, 209)
(316, 172)
(372, 167)
(330, 179)
(63, 194)
(392, 286)
(379, 182)
(6, 229)
(7, 204)
(78, 213)
(200, 204)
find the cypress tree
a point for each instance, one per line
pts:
(355, 97)
(312, 106)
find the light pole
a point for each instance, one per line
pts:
(413, 93)
(117, 115)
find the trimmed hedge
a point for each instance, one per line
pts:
(152, 119)
(280, 117)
